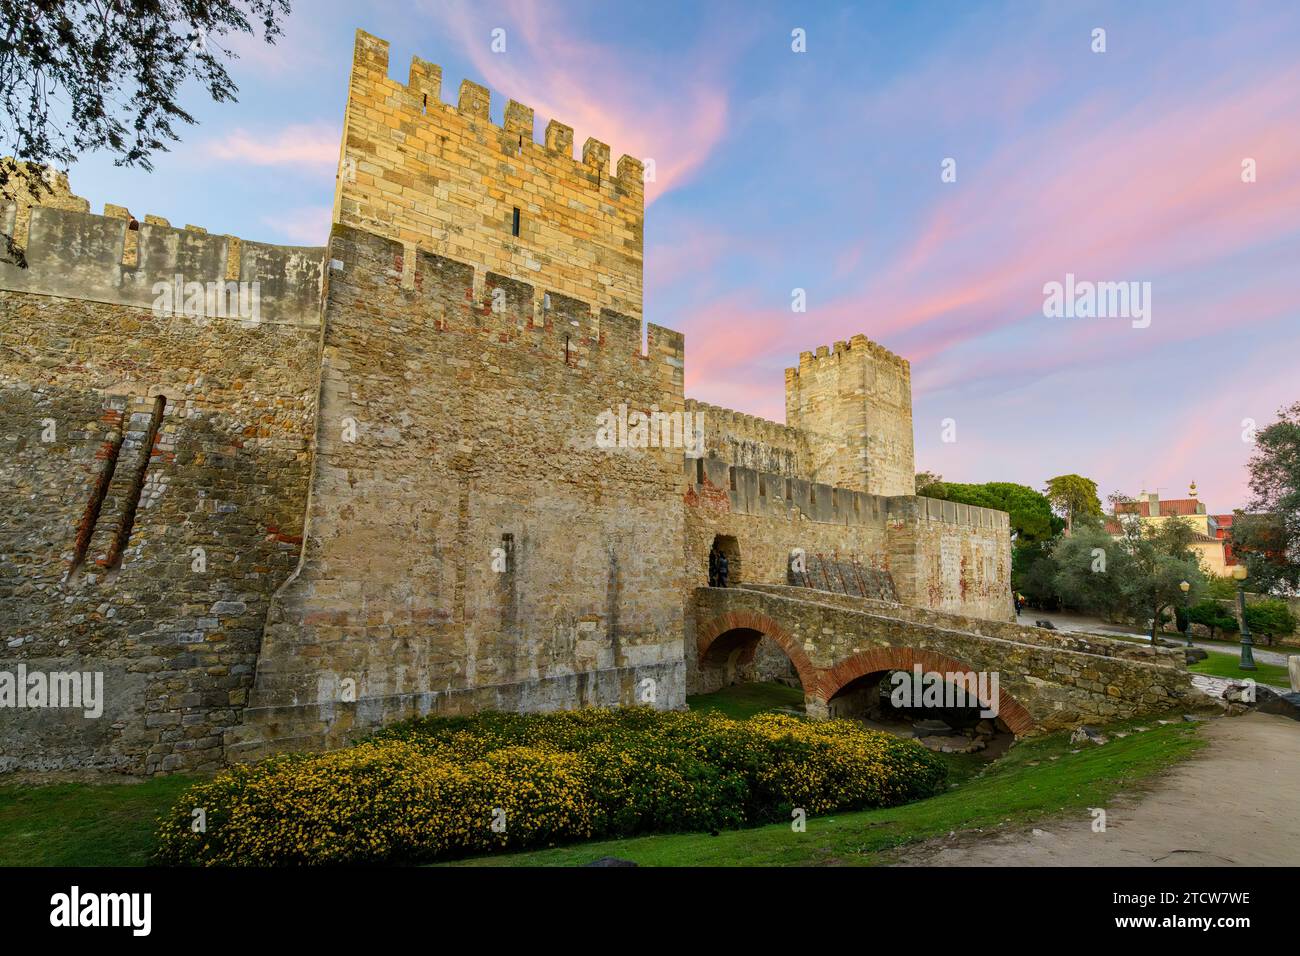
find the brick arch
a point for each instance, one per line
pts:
(707, 635)
(904, 659)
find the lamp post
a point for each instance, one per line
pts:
(1185, 587)
(1247, 655)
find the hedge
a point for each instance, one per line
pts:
(436, 788)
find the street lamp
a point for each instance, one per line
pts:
(1185, 587)
(1247, 655)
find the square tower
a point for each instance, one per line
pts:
(855, 403)
(447, 180)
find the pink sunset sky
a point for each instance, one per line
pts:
(821, 170)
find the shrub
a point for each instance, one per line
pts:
(1270, 618)
(1212, 615)
(432, 788)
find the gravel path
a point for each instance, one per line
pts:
(1236, 803)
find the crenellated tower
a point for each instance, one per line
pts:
(856, 399)
(447, 180)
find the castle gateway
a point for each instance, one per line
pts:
(276, 531)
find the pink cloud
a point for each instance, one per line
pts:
(1120, 187)
(1082, 204)
(642, 109)
(314, 146)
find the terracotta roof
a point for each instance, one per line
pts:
(1223, 521)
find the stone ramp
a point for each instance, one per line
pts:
(833, 574)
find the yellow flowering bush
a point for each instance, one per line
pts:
(443, 787)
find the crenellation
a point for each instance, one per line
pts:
(519, 121)
(413, 167)
(595, 156)
(474, 100)
(103, 259)
(559, 138)
(425, 81)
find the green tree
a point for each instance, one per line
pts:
(1212, 615)
(1267, 539)
(1072, 496)
(924, 480)
(1270, 619)
(1161, 558)
(83, 75)
(1033, 573)
(1090, 566)
(1129, 576)
(1031, 512)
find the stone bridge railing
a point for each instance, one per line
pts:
(1045, 683)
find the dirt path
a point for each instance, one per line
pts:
(1237, 803)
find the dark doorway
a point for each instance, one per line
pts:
(724, 562)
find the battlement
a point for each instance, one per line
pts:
(116, 259)
(857, 346)
(460, 298)
(755, 492)
(447, 179)
(424, 92)
(744, 424)
(857, 397)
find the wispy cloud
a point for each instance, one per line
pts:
(672, 111)
(304, 226)
(312, 146)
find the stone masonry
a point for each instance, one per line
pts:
(385, 493)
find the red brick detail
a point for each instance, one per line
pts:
(706, 635)
(904, 659)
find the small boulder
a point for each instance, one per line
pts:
(1085, 733)
(931, 728)
(1194, 654)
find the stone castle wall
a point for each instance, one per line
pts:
(947, 556)
(475, 429)
(153, 479)
(939, 555)
(752, 442)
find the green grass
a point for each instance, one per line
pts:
(741, 701)
(1021, 788)
(80, 824)
(1226, 665)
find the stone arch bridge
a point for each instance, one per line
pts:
(1047, 680)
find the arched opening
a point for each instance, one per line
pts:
(748, 664)
(942, 714)
(943, 703)
(724, 562)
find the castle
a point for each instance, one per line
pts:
(280, 495)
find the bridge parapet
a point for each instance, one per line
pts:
(1022, 633)
(1046, 683)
